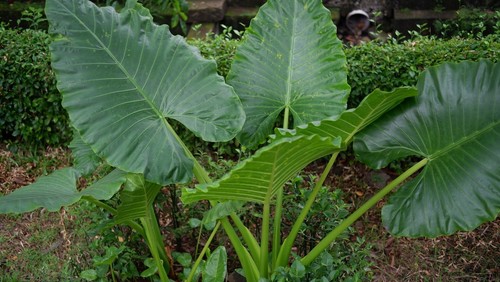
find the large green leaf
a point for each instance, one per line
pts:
(57, 190)
(290, 58)
(258, 178)
(455, 124)
(51, 192)
(350, 122)
(123, 78)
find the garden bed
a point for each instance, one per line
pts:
(58, 246)
(146, 183)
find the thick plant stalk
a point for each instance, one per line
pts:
(155, 243)
(325, 243)
(264, 239)
(278, 210)
(253, 245)
(248, 264)
(286, 248)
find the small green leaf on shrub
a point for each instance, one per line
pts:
(110, 256)
(298, 269)
(89, 275)
(194, 222)
(183, 258)
(152, 268)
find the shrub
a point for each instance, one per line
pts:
(470, 23)
(220, 48)
(31, 111)
(390, 65)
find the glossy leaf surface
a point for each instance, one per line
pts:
(455, 124)
(291, 58)
(123, 78)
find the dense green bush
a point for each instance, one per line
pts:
(470, 23)
(392, 64)
(220, 48)
(30, 105)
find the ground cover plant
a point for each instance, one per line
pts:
(142, 139)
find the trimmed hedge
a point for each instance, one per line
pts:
(30, 104)
(31, 113)
(386, 66)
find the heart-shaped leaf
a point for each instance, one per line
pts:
(123, 78)
(455, 124)
(291, 60)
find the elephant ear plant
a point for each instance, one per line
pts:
(124, 79)
(282, 66)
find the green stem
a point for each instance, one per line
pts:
(278, 210)
(247, 263)
(325, 243)
(155, 243)
(286, 117)
(100, 204)
(264, 239)
(248, 237)
(112, 272)
(203, 251)
(288, 243)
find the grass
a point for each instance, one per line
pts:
(42, 245)
(36, 246)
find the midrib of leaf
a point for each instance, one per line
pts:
(290, 64)
(271, 181)
(364, 121)
(122, 68)
(462, 141)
